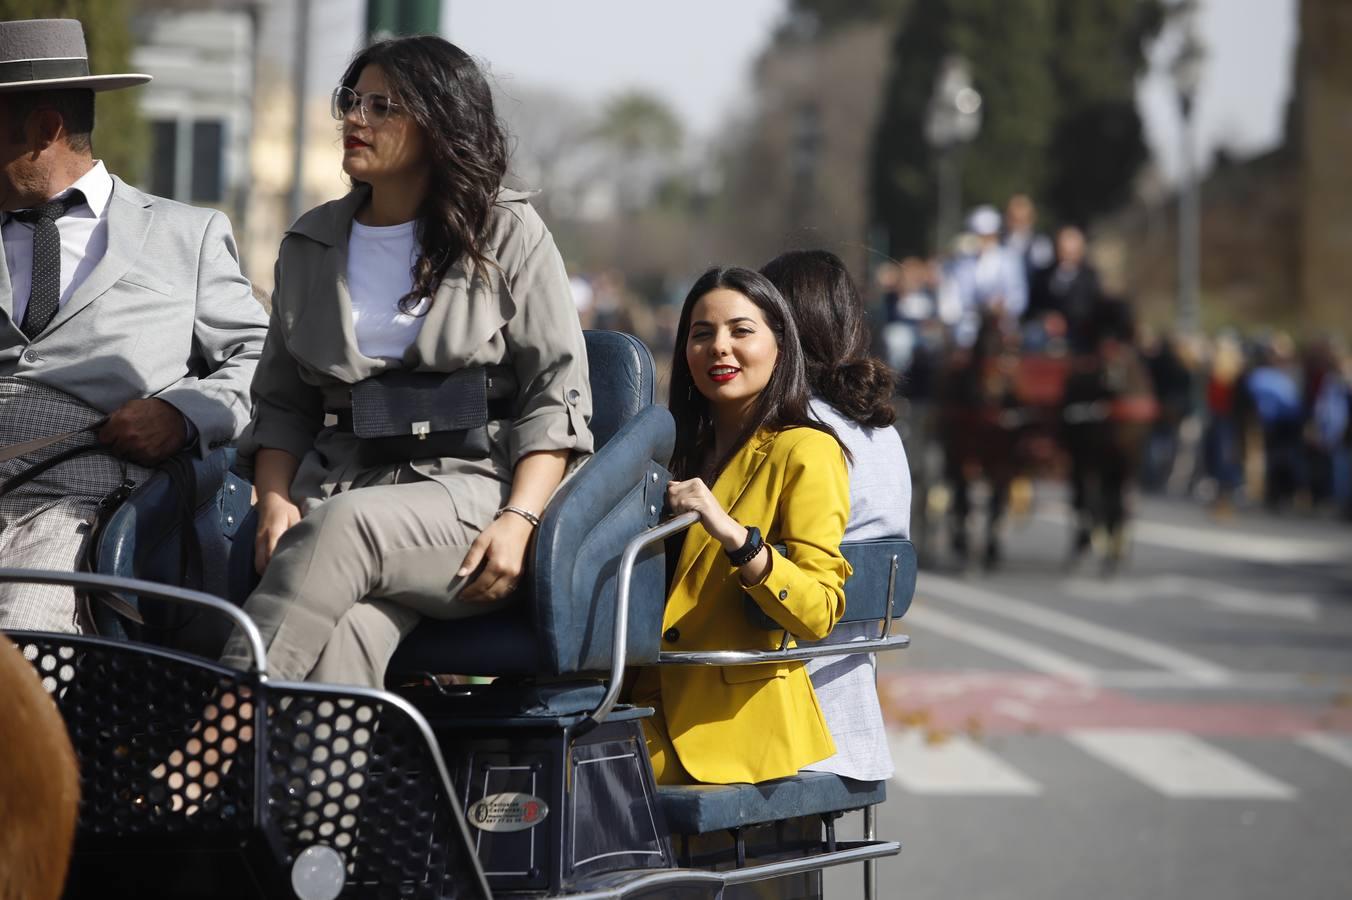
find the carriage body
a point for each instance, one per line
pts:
(537, 783)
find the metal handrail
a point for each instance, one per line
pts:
(619, 644)
(881, 644)
(90, 581)
(620, 637)
(849, 852)
(796, 654)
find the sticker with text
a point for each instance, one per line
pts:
(508, 812)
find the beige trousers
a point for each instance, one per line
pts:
(353, 577)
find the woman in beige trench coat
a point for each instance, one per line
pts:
(427, 265)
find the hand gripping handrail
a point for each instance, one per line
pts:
(619, 644)
(151, 589)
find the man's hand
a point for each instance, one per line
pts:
(145, 431)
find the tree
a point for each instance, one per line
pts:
(551, 137)
(1098, 145)
(644, 136)
(829, 15)
(1057, 78)
(120, 136)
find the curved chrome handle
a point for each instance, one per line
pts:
(151, 589)
(619, 645)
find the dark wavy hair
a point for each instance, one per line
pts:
(831, 323)
(444, 91)
(783, 402)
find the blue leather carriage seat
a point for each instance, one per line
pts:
(563, 620)
(144, 539)
(705, 808)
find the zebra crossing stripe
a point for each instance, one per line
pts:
(1117, 641)
(1179, 765)
(1336, 747)
(954, 766)
(1037, 658)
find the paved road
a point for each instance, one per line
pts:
(1183, 730)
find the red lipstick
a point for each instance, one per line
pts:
(723, 374)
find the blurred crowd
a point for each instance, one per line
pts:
(1242, 419)
(1256, 419)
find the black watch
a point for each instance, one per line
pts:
(747, 552)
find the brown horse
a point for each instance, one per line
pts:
(1108, 412)
(981, 423)
(39, 784)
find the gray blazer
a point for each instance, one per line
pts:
(165, 314)
(519, 314)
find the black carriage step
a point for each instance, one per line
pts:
(703, 808)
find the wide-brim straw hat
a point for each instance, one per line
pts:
(50, 54)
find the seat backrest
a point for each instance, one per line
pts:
(622, 380)
(562, 621)
(143, 539)
(866, 590)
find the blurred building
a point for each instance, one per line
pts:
(199, 108)
(802, 178)
(1275, 227)
(221, 110)
(1324, 147)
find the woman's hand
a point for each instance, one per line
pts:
(276, 514)
(694, 496)
(501, 549)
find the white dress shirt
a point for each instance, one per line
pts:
(84, 240)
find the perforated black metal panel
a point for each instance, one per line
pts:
(167, 746)
(356, 774)
(153, 757)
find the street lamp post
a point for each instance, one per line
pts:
(1187, 75)
(952, 120)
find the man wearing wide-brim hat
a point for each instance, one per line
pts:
(121, 314)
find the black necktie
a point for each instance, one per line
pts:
(45, 296)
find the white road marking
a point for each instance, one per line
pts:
(1336, 747)
(1224, 542)
(1193, 667)
(1300, 607)
(954, 767)
(1179, 765)
(1280, 682)
(1021, 651)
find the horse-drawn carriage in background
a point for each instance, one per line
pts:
(1001, 413)
(199, 780)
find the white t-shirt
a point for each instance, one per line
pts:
(380, 271)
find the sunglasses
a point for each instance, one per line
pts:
(373, 109)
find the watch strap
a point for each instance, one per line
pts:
(747, 552)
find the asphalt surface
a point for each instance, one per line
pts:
(1180, 730)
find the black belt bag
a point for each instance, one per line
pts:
(402, 416)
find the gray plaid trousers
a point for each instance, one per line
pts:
(45, 523)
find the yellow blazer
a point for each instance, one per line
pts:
(754, 723)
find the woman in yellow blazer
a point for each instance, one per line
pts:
(759, 471)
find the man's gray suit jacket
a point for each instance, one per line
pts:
(166, 313)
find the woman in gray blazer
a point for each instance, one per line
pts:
(427, 266)
(852, 392)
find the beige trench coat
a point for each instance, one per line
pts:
(519, 315)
